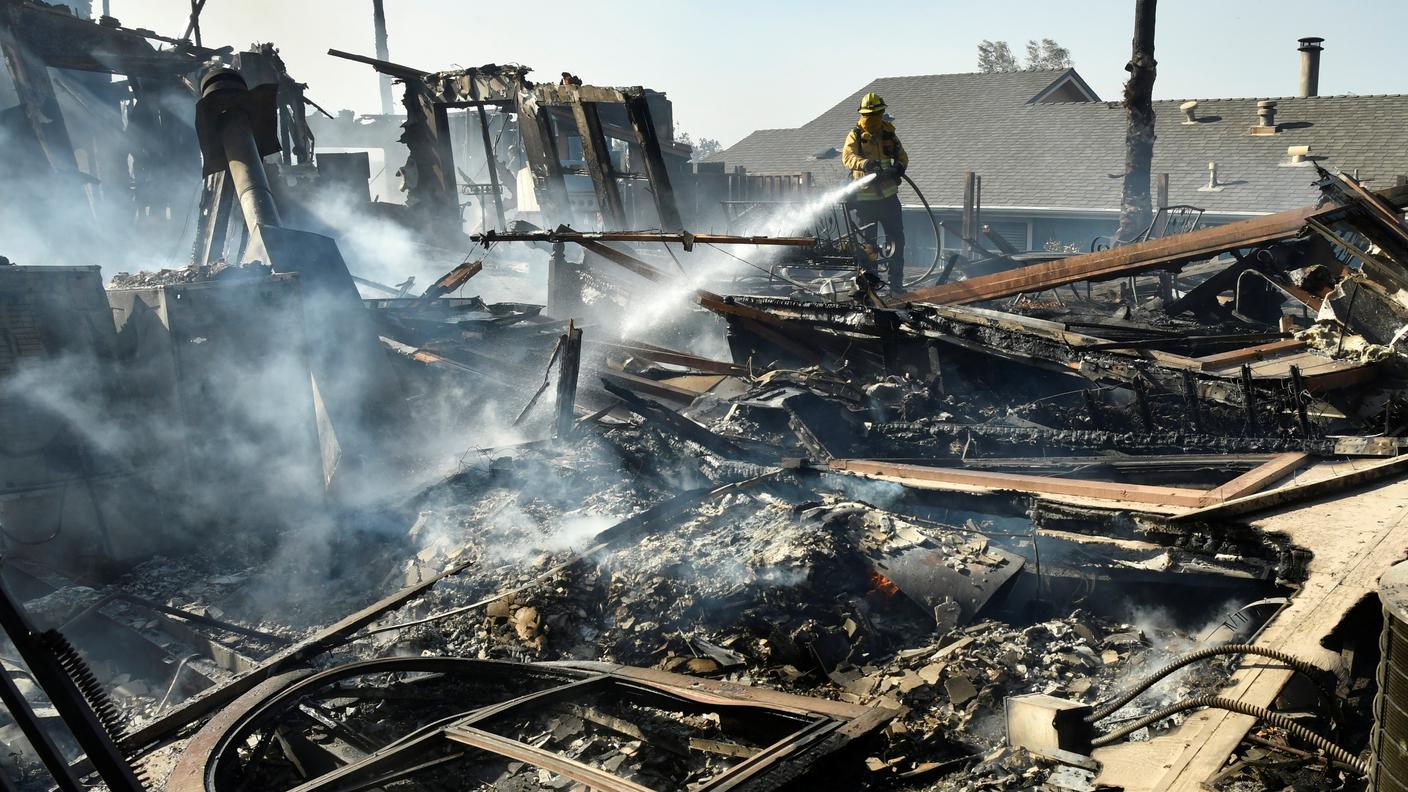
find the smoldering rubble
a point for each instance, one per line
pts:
(525, 480)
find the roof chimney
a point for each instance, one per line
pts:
(1310, 66)
(1188, 115)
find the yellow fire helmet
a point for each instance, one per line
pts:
(871, 103)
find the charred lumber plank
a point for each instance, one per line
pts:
(1160, 462)
(672, 357)
(663, 390)
(764, 324)
(450, 281)
(1187, 340)
(1259, 352)
(1123, 260)
(625, 260)
(1018, 482)
(1003, 246)
(1265, 501)
(1257, 479)
(675, 423)
(382, 66)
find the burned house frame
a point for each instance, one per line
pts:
(547, 114)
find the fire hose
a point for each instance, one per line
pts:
(938, 247)
(1330, 749)
(1276, 719)
(1309, 670)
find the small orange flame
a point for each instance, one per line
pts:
(883, 585)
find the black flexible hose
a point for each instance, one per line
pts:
(1310, 671)
(1276, 719)
(938, 239)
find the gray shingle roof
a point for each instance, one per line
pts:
(1071, 154)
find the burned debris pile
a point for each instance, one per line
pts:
(602, 508)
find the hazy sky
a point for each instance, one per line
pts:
(731, 66)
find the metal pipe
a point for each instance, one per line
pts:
(247, 171)
(1310, 66)
(234, 129)
(687, 239)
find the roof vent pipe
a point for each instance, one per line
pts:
(1188, 115)
(1297, 156)
(1265, 118)
(1310, 66)
(1212, 185)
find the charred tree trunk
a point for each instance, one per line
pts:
(1136, 205)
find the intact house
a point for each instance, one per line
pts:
(1050, 153)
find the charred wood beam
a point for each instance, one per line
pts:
(1264, 501)
(672, 357)
(1377, 220)
(382, 66)
(490, 158)
(1299, 395)
(675, 423)
(216, 203)
(970, 212)
(1003, 246)
(492, 163)
(564, 283)
(1166, 252)
(569, 364)
(643, 124)
(63, 41)
(1191, 402)
(1249, 398)
(431, 186)
(918, 438)
(35, 90)
(1188, 341)
(1259, 478)
(540, 147)
(921, 475)
(597, 155)
(1158, 462)
(624, 260)
(450, 281)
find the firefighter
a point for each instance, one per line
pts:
(873, 147)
